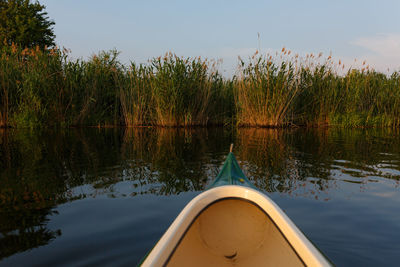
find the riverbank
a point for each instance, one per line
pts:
(48, 89)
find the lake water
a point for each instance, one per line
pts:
(105, 196)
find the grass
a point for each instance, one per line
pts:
(42, 88)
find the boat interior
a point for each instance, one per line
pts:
(233, 232)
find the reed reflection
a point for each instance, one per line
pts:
(309, 162)
(40, 170)
(166, 161)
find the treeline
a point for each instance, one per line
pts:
(41, 88)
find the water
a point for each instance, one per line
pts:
(105, 196)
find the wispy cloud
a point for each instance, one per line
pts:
(386, 45)
(383, 50)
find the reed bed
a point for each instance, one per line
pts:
(41, 88)
(135, 94)
(181, 90)
(265, 92)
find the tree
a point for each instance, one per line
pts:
(25, 24)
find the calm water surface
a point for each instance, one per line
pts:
(104, 197)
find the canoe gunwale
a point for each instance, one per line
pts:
(167, 245)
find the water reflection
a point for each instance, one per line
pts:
(284, 160)
(41, 170)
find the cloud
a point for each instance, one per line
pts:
(383, 50)
(387, 45)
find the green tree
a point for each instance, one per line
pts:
(25, 24)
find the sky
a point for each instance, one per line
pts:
(216, 29)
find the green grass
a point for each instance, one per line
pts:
(45, 88)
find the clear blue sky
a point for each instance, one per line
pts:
(361, 29)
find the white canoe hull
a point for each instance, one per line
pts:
(233, 226)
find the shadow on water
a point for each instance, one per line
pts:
(43, 169)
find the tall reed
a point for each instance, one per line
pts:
(135, 94)
(10, 79)
(319, 97)
(368, 98)
(28, 78)
(265, 92)
(44, 87)
(312, 91)
(100, 103)
(181, 91)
